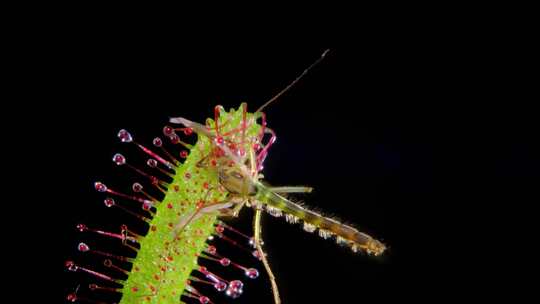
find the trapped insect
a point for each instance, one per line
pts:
(202, 185)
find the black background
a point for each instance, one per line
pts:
(408, 132)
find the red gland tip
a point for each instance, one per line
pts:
(151, 163)
(147, 205)
(71, 297)
(83, 247)
(168, 131)
(125, 136)
(109, 202)
(137, 187)
(70, 265)
(157, 142)
(119, 159)
(220, 286)
(100, 187)
(235, 289)
(188, 131)
(252, 273)
(174, 139)
(225, 262)
(212, 249)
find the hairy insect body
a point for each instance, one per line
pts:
(246, 189)
(312, 220)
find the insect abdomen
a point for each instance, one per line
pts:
(275, 204)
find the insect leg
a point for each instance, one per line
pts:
(291, 189)
(233, 212)
(205, 209)
(258, 241)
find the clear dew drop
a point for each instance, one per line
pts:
(252, 273)
(71, 297)
(174, 139)
(83, 247)
(137, 187)
(168, 131)
(119, 159)
(81, 227)
(157, 142)
(225, 262)
(147, 205)
(220, 286)
(124, 136)
(109, 202)
(151, 163)
(235, 289)
(100, 187)
(70, 265)
(204, 300)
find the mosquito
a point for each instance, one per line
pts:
(237, 159)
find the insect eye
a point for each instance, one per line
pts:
(237, 175)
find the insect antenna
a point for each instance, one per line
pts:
(293, 82)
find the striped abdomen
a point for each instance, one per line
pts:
(277, 204)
